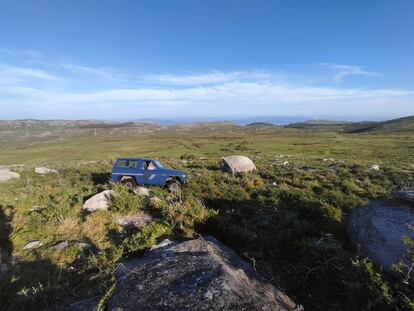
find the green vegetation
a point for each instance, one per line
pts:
(288, 219)
(401, 125)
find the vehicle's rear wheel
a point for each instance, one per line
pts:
(174, 186)
(129, 183)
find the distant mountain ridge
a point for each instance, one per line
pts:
(404, 124)
(309, 124)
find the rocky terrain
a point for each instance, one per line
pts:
(378, 230)
(200, 274)
(285, 206)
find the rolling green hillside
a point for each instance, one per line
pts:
(399, 125)
(320, 125)
(289, 217)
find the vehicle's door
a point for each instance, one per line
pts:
(149, 172)
(140, 173)
(126, 167)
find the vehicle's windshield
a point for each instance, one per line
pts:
(157, 163)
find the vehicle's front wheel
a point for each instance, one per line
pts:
(174, 186)
(129, 183)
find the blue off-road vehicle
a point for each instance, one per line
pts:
(139, 171)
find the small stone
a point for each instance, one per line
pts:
(6, 175)
(32, 244)
(61, 245)
(45, 170)
(138, 221)
(37, 208)
(83, 246)
(374, 167)
(142, 191)
(99, 201)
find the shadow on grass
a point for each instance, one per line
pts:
(37, 283)
(101, 178)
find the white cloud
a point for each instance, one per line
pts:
(25, 93)
(101, 72)
(214, 77)
(342, 71)
(15, 73)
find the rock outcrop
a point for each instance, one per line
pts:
(194, 275)
(32, 244)
(99, 201)
(6, 175)
(237, 164)
(45, 170)
(137, 221)
(377, 231)
(405, 195)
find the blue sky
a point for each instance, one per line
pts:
(134, 59)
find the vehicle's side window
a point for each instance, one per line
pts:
(127, 163)
(145, 164)
(121, 163)
(148, 165)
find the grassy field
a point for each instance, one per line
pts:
(290, 219)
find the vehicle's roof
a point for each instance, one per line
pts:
(134, 159)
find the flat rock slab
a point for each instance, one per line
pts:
(32, 244)
(6, 175)
(138, 221)
(99, 201)
(45, 171)
(377, 230)
(405, 195)
(194, 275)
(61, 245)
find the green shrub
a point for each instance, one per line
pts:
(124, 200)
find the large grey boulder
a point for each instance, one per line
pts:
(237, 164)
(405, 195)
(45, 170)
(377, 230)
(99, 201)
(6, 175)
(194, 275)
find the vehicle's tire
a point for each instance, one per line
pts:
(174, 186)
(129, 183)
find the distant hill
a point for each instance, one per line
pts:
(32, 124)
(261, 125)
(321, 124)
(60, 129)
(405, 124)
(204, 126)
